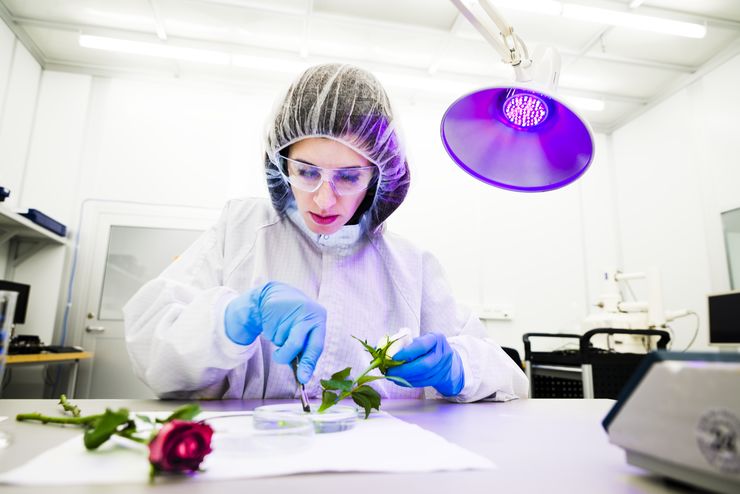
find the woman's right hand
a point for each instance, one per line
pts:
(285, 316)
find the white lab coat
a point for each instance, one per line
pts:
(370, 287)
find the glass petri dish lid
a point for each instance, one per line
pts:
(240, 435)
(336, 419)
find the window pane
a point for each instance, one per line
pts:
(731, 225)
(135, 256)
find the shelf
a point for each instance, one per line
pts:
(46, 358)
(15, 226)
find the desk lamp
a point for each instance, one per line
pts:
(518, 137)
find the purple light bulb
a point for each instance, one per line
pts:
(525, 110)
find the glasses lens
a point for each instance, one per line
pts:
(346, 181)
(351, 180)
(303, 176)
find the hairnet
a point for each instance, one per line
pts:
(348, 104)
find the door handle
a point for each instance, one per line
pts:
(95, 329)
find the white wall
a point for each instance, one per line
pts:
(51, 174)
(652, 197)
(173, 142)
(714, 103)
(676, 170)
(7, 47)
(19, 82)
(16, 120)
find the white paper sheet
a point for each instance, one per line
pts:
(382, 443)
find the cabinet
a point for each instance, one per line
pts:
(32, 254)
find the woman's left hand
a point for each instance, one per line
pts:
(430, 361)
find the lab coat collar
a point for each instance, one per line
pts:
(342, 242)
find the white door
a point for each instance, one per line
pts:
(124, 247)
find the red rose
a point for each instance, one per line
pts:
(180, 446)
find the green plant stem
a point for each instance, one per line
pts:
(46, 419)
(69, 407)
(373, 365)
(140, 440)
(346, 394)
(332, 393)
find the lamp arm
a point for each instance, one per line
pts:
(517, 49)
(499, 33)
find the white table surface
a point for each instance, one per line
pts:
(540, 446)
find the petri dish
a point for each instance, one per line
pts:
(239, 435)
(336, 419)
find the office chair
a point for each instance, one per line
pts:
(514, 354)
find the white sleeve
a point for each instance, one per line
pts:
(174, 325)
(490, 374)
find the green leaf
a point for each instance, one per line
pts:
(129, 429)
(145, 418)
(384, 349)
(372, 351)
(384, 361)
(105, 427)
(367, 398)
(185, 412)
(368, 379)
(399, 380)
(336, 385)
(339, 381)
(388, 363)
(328, 400)
(341, 375)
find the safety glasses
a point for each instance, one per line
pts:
(344, 181)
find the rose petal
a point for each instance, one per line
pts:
(180, 446)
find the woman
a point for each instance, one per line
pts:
(297, 278)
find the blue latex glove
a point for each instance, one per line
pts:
(431, 361)
(284, 315)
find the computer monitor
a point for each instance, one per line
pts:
(21, 304)
(724, 318)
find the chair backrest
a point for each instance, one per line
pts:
(559, 384)
(514, 354)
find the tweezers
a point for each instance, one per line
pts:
(304, 398)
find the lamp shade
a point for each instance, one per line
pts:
(517, 139)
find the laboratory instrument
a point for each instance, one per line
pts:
(616, 313)
(679, 416)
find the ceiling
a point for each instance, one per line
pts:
(416, 45)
